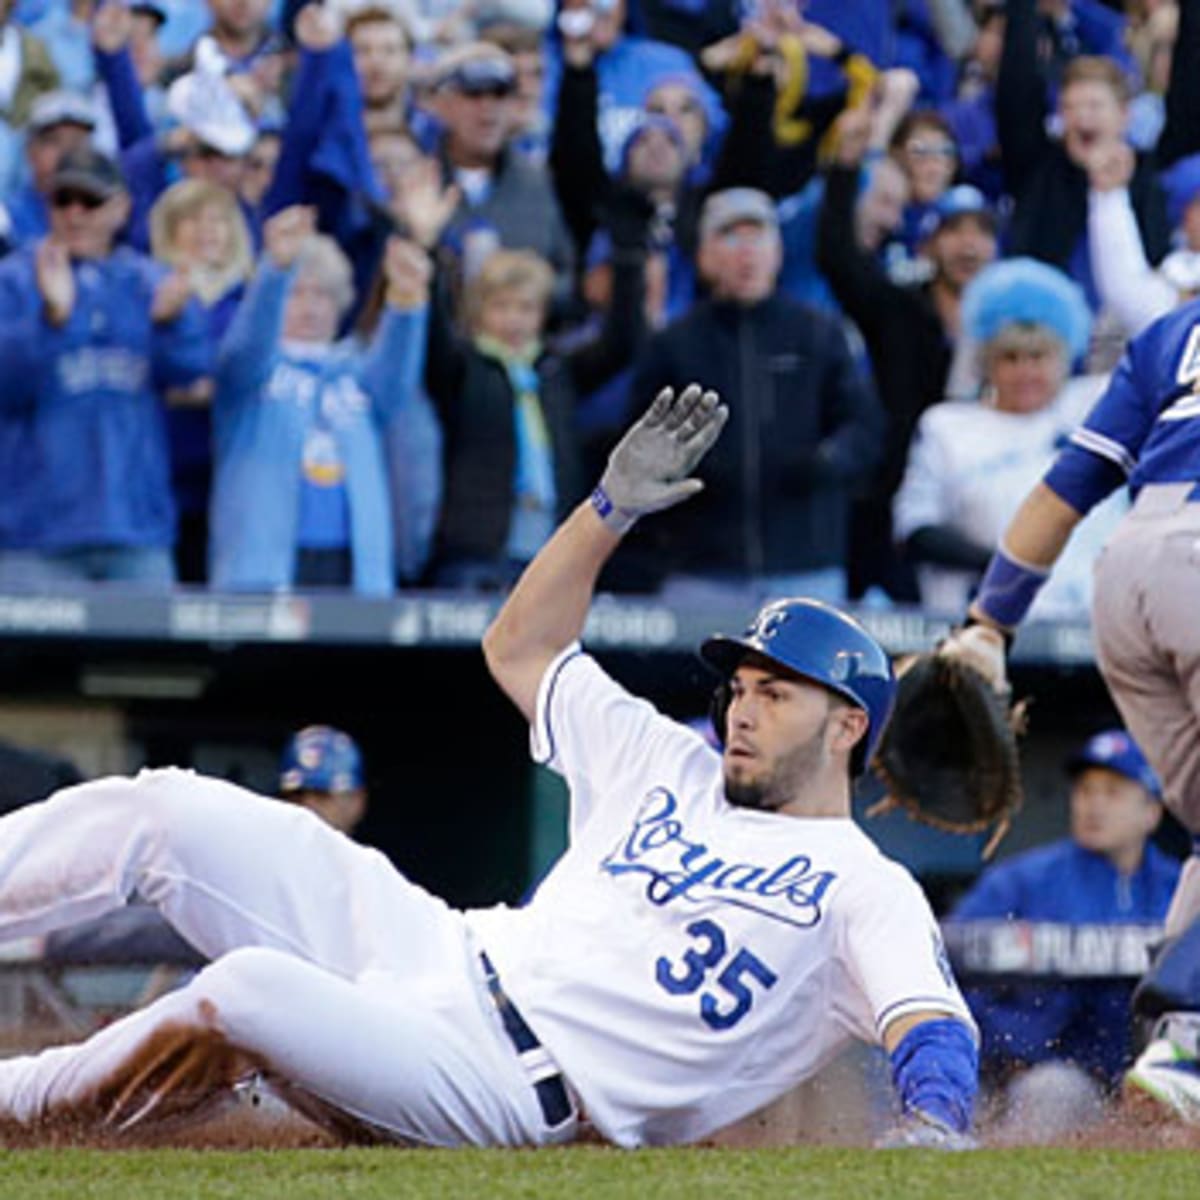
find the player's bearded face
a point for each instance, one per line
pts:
(773, 784)
(777, 736)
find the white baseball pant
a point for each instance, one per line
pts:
(332, 970)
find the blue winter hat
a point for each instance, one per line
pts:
(320, 758)
(709, 103)
(1181, 182)
(1115, 750)
(1027, 292)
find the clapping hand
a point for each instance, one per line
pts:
(56, 283)
(170, 297)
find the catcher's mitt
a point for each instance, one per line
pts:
(949, 754)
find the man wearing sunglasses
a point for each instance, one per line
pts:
(91, 335)
(506, 200)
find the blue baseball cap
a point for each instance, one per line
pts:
(1115, 750)
(320, 758)
(1181, 183)
(961, 201)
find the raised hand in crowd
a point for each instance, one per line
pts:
(852, 135)
(1110, 164)
(285, 233)
(170, 297)
(819, 41)
(577, 26)
(408, 272)
(112, 27)
(733, 52)
(424, 204)
(318, 28)
(895, 92)
(52, 265)
(586, 31)
(756, 45)
(773, 20)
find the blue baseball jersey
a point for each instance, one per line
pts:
(1144, 428)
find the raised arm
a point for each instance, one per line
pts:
(855, 274)
(111, 27)
(1128, 285)
(1020, 96)
(650, 469)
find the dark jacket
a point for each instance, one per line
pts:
(804, 426)
(910, 354)
(475, 400)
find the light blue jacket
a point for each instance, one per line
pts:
(266, 401)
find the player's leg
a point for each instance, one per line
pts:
(227, 868)
(421, 1060)
(1148, 646)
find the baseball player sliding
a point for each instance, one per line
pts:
(716, 930)
(1144, 431)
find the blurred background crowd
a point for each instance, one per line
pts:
(358, 295)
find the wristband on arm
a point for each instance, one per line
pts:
(1008, 589)
(619, 520)
(935, 1070)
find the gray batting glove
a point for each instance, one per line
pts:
(650, 467)
(921, 1132)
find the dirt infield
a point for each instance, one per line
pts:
(1138, 1127)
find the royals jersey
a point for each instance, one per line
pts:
(687, 961)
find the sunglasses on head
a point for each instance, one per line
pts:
(72, 197)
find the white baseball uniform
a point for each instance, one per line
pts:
(683, 964)
(969, 467)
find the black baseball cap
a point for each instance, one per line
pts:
(87, 170)
(151, 9)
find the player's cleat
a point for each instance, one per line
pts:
(1168, 1070)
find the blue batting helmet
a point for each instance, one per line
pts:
(824, 645)
(321, 759)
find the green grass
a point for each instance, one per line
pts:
(577, 1173)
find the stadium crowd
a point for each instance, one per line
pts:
(358, 294)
